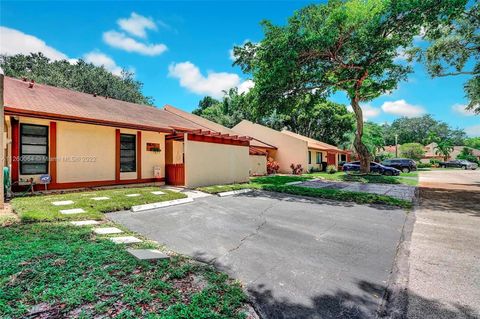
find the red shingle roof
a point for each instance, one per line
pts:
(44, 101)
(314, 143)
(198, 120)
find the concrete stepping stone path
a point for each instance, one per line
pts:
(158, 193)
(101, 198)
(147, 254)
(85, 223)
(107, 231)
(125, 240)
(63, 203)
(133, 195)
(72, 211)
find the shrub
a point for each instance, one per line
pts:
(331, 169)
(424, 165)
(272, 167)
(414, 151)
(296, 169)
(434, 162)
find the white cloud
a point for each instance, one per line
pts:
(213, 84)
(121, 41)
(245, 86)
(368, 111)
(461, 109)
(137, 25)
(473, 131)
(101, 59)
(402, 108)
(16, 42)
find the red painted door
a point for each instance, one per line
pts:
(331, 158)
(175, 174)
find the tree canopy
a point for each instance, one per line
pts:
(79, 76)
(347, 46)
(455, 50)
(423, 130)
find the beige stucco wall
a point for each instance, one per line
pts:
(258, 165)
(86, 152)
(211, 163)
(173, 152)
(289, 149)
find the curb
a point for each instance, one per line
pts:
(140, 208)
(230, 193)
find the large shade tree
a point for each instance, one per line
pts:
(80, 76)
(347, 46)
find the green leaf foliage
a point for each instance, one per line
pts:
(80, 76)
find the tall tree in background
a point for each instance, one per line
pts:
(455, 51)
(347, 46)
(232, 109)
(79, 76)
(423, 130)
(316, 118)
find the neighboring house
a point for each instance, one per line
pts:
(293, 148)
(430, 153)
(84, 140)
(258, 150)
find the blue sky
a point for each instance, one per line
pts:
(180, 50)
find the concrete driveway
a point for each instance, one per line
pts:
(444, 277)
(297, 258)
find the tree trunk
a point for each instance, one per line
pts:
(360, 148)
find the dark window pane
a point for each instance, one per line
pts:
(127, 153)
(34, 130)
(33, 149)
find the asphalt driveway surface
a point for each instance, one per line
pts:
(297, 258)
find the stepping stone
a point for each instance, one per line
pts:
(85, 223)
(107, 231)
(62, 203)
(133, 195)
(101, 198)
(72, 211)
(147, 254)
(125, 240)
(158, 193)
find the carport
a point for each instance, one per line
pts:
(199, 158)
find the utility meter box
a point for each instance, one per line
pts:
(157, 172)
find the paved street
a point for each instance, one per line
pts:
(297, 258)
(444, 280)
(394, 190)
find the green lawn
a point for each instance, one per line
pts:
(277, 184)
(40, 208)
(404, 178)
(56, 270)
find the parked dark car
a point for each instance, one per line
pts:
(374, 167)
(404, 164)
(459, 164)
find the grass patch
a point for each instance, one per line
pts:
(335, 194)
(57, 270)
(277, 184)
(404, 178)
(40, 208)
(255, 183)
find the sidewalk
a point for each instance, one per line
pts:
(444, 279)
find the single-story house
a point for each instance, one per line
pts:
(292, 148)
(85, 140)
(258, 152)
(430, 153)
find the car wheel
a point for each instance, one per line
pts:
(388, 173)
(405, 170)
(464, 167)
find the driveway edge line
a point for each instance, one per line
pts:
(394, 303)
